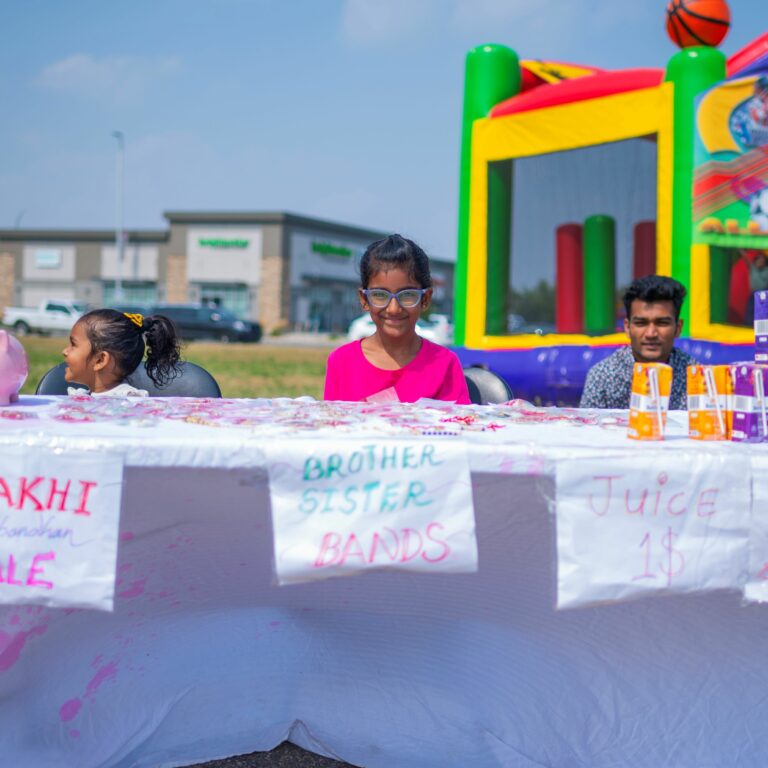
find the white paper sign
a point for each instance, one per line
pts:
(756, 589)
(650, 523)
(59, 519)
(344, 506)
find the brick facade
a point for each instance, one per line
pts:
(7, 262)
(176, 284)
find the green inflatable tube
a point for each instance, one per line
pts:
(492, 74)
(719, 284)
(692, 71)
(599, 274)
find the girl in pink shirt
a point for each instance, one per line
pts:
(395, 363)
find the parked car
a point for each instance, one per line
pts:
(436, 328)
(52, 316)
(195, 321)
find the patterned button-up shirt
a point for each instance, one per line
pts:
(609, 382)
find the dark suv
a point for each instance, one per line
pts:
(195, 321)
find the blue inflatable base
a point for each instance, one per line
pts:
(555, 375)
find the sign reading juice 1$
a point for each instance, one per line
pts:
(345, 506)
(650, 524)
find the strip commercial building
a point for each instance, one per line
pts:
(284, 270)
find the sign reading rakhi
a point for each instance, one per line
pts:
(650, 527)
(341, 507)
(59, 520)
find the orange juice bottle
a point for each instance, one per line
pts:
(649, 401)
(710, 402)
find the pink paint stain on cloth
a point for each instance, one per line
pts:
(107, 672)
(71, 708)
(134, 590)
(11, 645)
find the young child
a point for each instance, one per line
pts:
(395, 363)
(106, 346)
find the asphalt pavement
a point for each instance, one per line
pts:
(286, 755)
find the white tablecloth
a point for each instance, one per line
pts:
(204, 657)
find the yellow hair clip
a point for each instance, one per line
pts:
(136, 319)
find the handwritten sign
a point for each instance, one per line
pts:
(59, 515)
(756, 588)
(638, 525)
(341, 507)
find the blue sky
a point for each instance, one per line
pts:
(342, 109)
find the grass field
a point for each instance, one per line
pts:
(242, 370)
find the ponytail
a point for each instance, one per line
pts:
(162, 363)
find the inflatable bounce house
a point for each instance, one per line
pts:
(575, 180)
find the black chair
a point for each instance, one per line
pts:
(192, 381)
(486, 387)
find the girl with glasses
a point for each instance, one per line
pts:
(395, 363)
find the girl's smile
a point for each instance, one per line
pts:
(394, 322)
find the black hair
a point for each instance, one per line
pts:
(395, 251)
(128, 339)
(655, 288)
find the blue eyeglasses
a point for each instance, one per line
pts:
(408, 298)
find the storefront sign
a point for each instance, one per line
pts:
(331, 250)
(222, 243)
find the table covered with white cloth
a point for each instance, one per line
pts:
(204, 655)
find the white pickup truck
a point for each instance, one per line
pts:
(50, 317)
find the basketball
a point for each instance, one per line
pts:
(697, 22)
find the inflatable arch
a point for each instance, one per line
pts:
(707, 119)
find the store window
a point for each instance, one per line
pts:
(231, 296)
(47, 258)
(143, 294)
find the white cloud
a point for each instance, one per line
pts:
(120, 79)
(386, 21)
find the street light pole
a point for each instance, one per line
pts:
(119, 234)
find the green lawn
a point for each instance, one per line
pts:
(242, 370)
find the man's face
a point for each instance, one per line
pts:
(652, 330)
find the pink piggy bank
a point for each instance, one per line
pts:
(14, 368)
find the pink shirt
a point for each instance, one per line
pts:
(435, 373)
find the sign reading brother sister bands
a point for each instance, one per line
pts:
(638, 526)
(59, 519)
(341, 507)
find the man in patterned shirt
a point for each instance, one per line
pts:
(653, 323)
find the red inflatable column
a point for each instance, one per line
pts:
(569, 281)
(644, 257)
